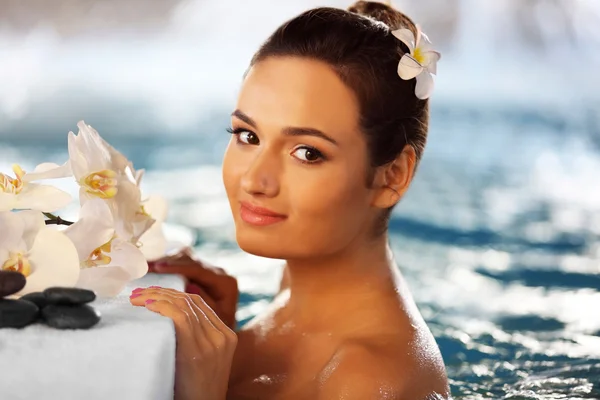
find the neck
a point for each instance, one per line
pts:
(331, 287)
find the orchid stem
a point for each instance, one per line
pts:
(56, 220)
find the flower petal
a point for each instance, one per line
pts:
(54, 262)
(138, 176)
(77, 157)
(157, 207)
(419, 36)
(42, 197)
(93, 229)
(154, 243)
(424, 86)
(4, 253)
(125, 206)
(48, 171)
(104, 155)
(105, 281)
(90, 144)
(33, 222)
(11, 230)
(127, 263)
(139, 226)
(408, 68)
(128, 257)
(425, 44)
(8, 201)
(405, 36)
(430, 61)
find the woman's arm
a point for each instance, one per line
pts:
(205, 345)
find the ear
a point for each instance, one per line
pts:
(393, 179)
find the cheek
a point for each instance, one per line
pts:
(231, 171)
(324, 195)
(329, 209)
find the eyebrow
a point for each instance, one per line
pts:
(290, 130)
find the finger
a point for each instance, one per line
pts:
(212, 328)
(221, 307)
(210, 314)
(181, 319)
(212, 305)
(188, 342)
(140, 298)
(193, 288)
(182, 300)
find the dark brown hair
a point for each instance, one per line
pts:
(358, 44)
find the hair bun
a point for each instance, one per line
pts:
(383, 12)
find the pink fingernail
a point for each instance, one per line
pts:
(133, 296)
(155, 287)
(150, 301)
(137, 290)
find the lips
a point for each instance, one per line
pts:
(259, 216)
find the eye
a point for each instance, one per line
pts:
(248, 137)
(308, 155)
(244, 136)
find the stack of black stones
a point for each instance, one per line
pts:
(61, 308)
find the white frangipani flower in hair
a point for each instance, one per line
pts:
(44, 255)
(419, 63)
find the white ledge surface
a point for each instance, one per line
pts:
(129, 354)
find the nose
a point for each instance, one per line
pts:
(262, 176)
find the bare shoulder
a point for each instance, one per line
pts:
(385, 368)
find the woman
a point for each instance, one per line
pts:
(325, 141)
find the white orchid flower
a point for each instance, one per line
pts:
(96, 165)
(45, 256)
(102, 172)
(153, 242)
(132, 220)
(420, 63)
(20, 194)
(107, 262)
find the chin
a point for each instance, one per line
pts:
(279, 243)
(262, 245)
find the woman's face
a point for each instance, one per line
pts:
(296, 164)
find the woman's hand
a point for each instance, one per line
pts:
(219, 290)
(205, 345)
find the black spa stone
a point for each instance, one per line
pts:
(37, 298)
(17, 313)
(71, 296)
(70, 317)
(11, 282)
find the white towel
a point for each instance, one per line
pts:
(129, 354)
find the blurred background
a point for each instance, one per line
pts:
(499, 237)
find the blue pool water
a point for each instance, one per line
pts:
(499, 239)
